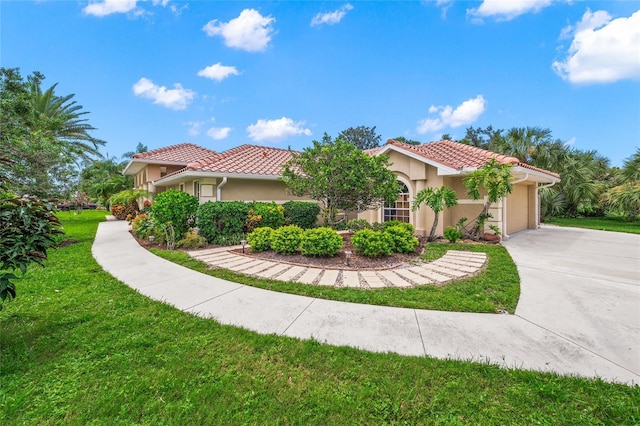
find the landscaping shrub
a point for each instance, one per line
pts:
(372, 243)
(260, 239)
(409, 227)
(320, 242)
(354, 225)
(176, 207)
(192, 240)
(122, 211)
(301, 213)
(452, 234)
(286, 240)
(403, 239)
(271, 213)
(222, 222)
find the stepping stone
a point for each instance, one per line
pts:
(273, 270)
(432, 276)
(244, 266)
(350, 279)
(216, 257)
(447, 271)
(329, 277)
(290, 273)
(395, 279)
(257, 268)
(412, 276)
(309, 276)
(233, 262)
(372, 279)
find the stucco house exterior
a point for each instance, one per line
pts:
(253, 173)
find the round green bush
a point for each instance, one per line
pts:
(320, 242)
(409, 227)
(372, 243)
(286, 240)
(260, 239)
(176, 207)
(403, 239)
(452, 234)
(354, 225)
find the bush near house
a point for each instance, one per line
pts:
(320, 242)
(372, 243)
(176, 207)
(260, 239)
(264, 214)
(301, 213)
(403, 239)
(222, 222)
(286, 240)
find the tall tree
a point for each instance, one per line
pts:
(140, 148)
(362, 137)
(485, 138)
(522, 142)
(436, 199)
(44, 134)
(407, 141)
(340, 176)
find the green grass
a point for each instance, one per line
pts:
(78, 347)
(496, 288)
(615, 224)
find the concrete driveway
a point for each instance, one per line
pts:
(583, 286)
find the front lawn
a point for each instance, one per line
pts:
(78, 347)
(496, 288)
(615, 224)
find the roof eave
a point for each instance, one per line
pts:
(203, 174)
(443, 170)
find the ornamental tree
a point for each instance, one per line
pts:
(436, 199)
(495, 178)
(341, 177)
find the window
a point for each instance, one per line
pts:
(196, 189)
(399, 209)
(181, 187)
(163, 171)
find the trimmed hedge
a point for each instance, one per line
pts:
(176, 207)
(320, 242)
(260, 239)
(403, 239)
(301, 213)
(286, 240)
(264, 214)
(222, 222)
(372, 243)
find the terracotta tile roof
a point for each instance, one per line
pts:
(245, 159)
(460, 156)
(183, 153)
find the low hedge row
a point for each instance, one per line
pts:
(292, 239)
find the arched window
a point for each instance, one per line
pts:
(399, 209)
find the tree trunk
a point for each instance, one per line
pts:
(432, 234)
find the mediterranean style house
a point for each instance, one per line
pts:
(253, 173)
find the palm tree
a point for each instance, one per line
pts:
(436, 199)
(523, 142)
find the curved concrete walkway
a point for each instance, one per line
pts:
(556, 326)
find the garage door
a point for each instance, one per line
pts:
(517, 209)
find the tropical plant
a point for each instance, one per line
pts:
(260, 239)
(191, 240)
(403, 240)
(341, 177)
(624, 199)
(495, 179)
(436, 199)
(222, 222)
(355, 225)
(452, 234)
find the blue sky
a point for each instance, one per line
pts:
(220, 74)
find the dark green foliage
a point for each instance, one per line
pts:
(354, 225)
(372, 243)
(286, 240)
(362, 137)
(222, 222)
(452, 234)
(341, 177)
(320, 242)
(176, 207)
(301, 213)
(260, 239)
(402, 238)
(28, 228)
(405, 225)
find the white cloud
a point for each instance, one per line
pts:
(466, 113)
(506, 10)
(603, 50)
(218, 72)
(176, 98)
(250, 31)
(331, 18)
(107, 7)
(218, 133)
(194, 127)
(276, 130)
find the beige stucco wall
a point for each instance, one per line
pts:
(520, 211)
(256, 190)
